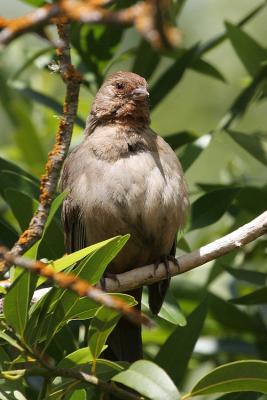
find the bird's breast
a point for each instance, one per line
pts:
(140, 194)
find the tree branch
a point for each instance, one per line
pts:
(147, 17)
(148, 274)
(58, 154)
(80, 376)
(76, 284)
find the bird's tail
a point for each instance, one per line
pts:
(125, 341)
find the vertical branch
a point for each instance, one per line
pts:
(57, 155)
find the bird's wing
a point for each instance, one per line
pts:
(74, 228)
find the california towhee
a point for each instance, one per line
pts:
(124, 178)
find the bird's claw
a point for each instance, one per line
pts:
(166, 261)
(103, 280)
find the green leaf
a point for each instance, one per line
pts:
(241, 396)
(35, 3)
(96, 46)
(245, 200)
(218, 39)
(146, 60)
(60, 312)
(210, 207)
(22, 206)
(93, 267)
(190, 154)
(239, 376)
(77, 395)
(254, 143)
(106, 369)
(66, 305)
(18, 182)
(29, 62)
(10, 340)
(250, 276)
(6, 165)
(206, 68)
(81, 309)
(170, 311)
(103, 324)
(251, 54)
(176, 140)
(257, 297)
(149, 380)
(243, 100)
(27, 138)
(70, 259)
(8, 235)
(78, 357)
(46, 101)
(231, 316)
(183, 340)
(170, 78)
(100, 254)
(51, 244)
(17, 301)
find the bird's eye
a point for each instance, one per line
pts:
(119, 85)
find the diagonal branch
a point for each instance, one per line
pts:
(72, 282)
(147, 17)
(58, 154)
(148, 274)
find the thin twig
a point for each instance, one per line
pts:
(49, 372)
(31, 22)
(76, 284)
(144, 16)
(58, 154)
(81, 376)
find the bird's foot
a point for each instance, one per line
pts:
(110, 276)
(166, 261)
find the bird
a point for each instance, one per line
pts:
(123, 178)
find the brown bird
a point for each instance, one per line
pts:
(124, 178)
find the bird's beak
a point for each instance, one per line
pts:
(140, 93)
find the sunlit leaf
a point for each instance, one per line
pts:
(233, 377)
(149, 380)
(251, 53)
(78, 357)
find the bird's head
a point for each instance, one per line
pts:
(123, 99)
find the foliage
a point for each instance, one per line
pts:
(211, 336)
